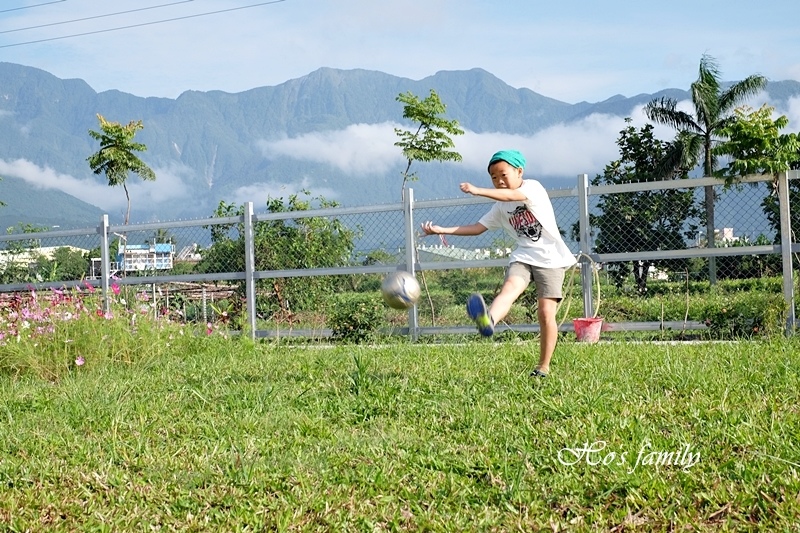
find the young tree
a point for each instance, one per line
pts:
(298, 243)
(431, 140)
(697, 133)
(19, 254)
(116, 157)
(646, 220)
(756, 146)
(66, 265)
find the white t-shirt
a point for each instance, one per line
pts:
(532, 224)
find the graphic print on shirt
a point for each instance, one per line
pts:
(525, 224)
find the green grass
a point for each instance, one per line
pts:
(208, 433)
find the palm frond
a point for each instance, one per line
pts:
(681, 155)
(738, 92)
(709, 73)
(664, 111)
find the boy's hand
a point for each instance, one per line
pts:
(429, 228)
(468, 188)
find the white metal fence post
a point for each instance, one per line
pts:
(249, 267)
(586, 245)
(105, 262)
(786, 250)
(411, 258)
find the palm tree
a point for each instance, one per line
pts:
(116, 155)
(163, 236)
(713, 108)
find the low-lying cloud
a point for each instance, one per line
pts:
(168, 187)
(259, 192)
(584, 146)
(793, 113)
(357, 149)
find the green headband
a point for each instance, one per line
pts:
(512, 157)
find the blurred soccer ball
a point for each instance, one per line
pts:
(400, 290)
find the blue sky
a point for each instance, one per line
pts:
(568, 50)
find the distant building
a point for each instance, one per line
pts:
(28, 256)
(139, 257)
(440, 252)
(724, 236)
(189, 254)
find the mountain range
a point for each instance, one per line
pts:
(329, 132)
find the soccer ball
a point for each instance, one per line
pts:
(400, 290)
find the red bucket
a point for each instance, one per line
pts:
(588, 329)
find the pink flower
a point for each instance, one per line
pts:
(115, 289)
(209, 328)
(80, 361)
(89, 286)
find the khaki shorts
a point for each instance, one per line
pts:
(549, 281)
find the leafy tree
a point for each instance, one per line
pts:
(66, 265)
(116, 157)
(697, 133)
(431, 140)
(646, 220)
(757, 146)
(300, 243)
(19, 255)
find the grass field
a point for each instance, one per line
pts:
(203, 433)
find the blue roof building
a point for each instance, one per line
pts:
(140, 257)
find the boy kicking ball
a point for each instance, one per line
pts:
(524, 211)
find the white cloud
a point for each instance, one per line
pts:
(565, 150)
(168, 187)
(568, 149)
(359, 149)
(793, 114)
(259, 192)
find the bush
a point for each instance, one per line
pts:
(750, 315)
(356, 318)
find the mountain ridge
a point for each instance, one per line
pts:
(208, 145)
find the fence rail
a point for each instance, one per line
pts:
(760, 206)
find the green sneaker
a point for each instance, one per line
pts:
(476, 309)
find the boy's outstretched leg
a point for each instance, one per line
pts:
(477, 311)
(485, 318)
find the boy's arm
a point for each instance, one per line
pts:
(502, 195)
(429, 228)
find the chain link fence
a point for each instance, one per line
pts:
(646, 261)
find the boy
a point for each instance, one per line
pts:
(524, 211)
